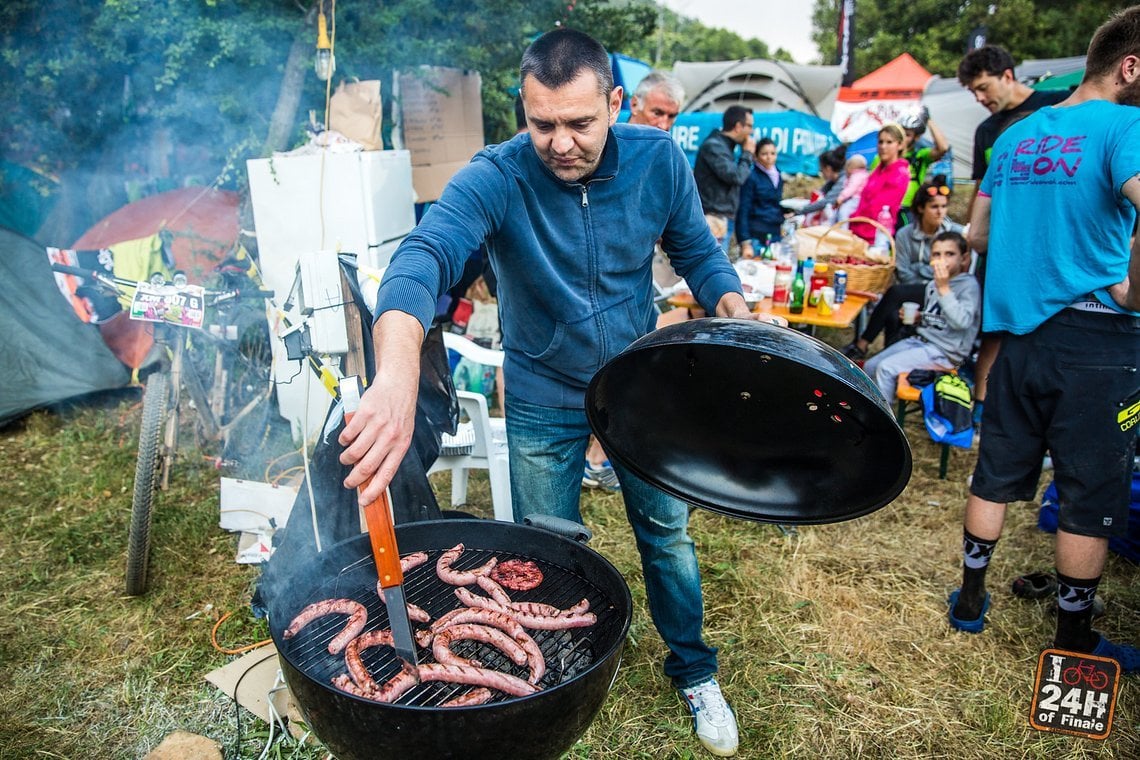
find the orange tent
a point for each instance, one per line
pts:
(902, 79)
(204, 223)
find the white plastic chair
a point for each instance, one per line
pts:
(489, 449)
(488, 452)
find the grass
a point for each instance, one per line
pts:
(833, 641)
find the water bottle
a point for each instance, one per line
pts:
(788, 237)
(882, 238)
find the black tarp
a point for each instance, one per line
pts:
(49, 353)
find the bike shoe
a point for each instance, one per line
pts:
(1038, 585)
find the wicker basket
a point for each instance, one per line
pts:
(873, 276)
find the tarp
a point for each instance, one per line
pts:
(49, 354)
(762, 85)
(799, 138)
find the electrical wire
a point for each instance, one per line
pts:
(237, 705)
(239, 650)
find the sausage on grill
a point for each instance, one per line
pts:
(357, 618)
(477, 696)
(441, 646)
(460, 577)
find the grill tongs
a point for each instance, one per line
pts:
(382, 534)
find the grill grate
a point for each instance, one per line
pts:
(568, 652)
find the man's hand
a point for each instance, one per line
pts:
(746, 249)
(380, 432)
(1124, 296)
(732, 305)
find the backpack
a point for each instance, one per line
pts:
(947, 410)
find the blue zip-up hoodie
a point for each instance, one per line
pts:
(760, 212)
(573, 260)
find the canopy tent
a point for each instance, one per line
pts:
(1064, 82)
(49, 354)
(902, 78)
(762, 85)
(882, 96)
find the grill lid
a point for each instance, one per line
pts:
(750, 420)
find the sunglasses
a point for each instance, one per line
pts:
(933, 191)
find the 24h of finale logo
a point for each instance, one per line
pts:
(1075, 693)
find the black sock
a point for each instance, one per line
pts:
(1074, 613)
(976, 553)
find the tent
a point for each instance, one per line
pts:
(882, 96)
(204, 223)
(49, 354)
(762, 85)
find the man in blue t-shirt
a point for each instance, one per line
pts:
(1057, 208)
(987, 72)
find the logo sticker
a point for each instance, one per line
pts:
(1075, 693)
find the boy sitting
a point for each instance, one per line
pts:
(947, 324)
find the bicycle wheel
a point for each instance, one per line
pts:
(155, 400)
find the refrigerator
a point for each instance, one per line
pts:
(307, 209)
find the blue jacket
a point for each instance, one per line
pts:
(760, 213)
(573, 260)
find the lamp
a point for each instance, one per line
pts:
(325, 63)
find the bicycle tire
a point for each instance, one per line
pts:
(155, 400)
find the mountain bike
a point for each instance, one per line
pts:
(215, 346)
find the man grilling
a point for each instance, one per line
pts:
(569, 212)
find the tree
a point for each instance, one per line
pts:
(935, 31)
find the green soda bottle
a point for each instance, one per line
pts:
(796, 304)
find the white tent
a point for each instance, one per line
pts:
(759, 84)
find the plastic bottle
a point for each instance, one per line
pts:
(782, 289)
(882, 239)
(788, 237)
(819, 280)
(796, 298)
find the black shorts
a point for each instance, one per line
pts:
(1071, 388)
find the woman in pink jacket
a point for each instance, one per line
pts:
(886, 185)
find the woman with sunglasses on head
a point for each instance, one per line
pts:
(912, 264)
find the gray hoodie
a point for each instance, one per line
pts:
(950, 322)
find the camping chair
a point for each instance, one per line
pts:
(487, 450)
(480, 443)
(907, 394)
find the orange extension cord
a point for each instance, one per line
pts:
(239, 650)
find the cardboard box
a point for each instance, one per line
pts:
(442, 117)
(442, 114)
(430, 180)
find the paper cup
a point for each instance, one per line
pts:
(909, 312)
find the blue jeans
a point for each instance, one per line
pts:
(548, 451)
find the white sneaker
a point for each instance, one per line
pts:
(713, 719)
